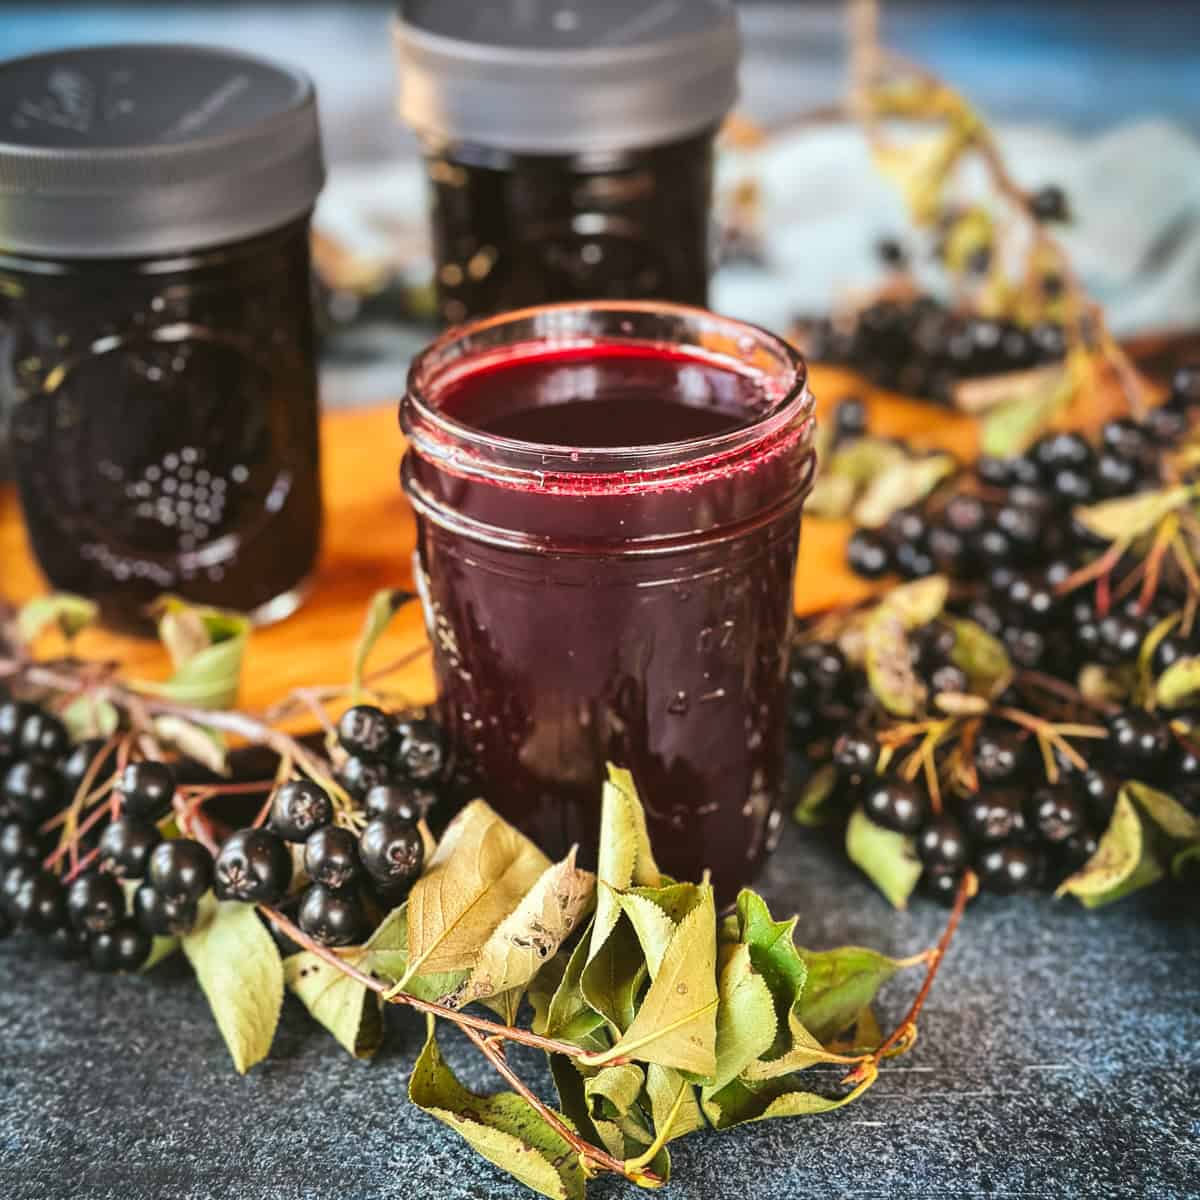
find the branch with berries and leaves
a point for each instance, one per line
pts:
(127, 836)
(1016, 337)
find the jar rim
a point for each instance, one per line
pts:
(731, 344)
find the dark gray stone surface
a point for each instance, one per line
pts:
(1058, 1058)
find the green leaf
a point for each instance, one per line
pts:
(623, 1139)
(384, 605)
(532, 933)
(1122, 862)
(613, 977)
(673, 1104)
(890, 672)
(71, 614)
(654, 929)
(568, 1015)
(386, 954)
(625, 856)
(841, 983)
(774, 956)
(904, 483)
(746, 1021)
(350, 1011)
(1150, 644)
(87, 717)
(481, 872)
(207, 746)
(813, 807)
(1165, 811)
(739, 1103)
(1130, 517)
(238, 966)
(888, 859)
(620, 1086)
(1179, 684)
(675, 1025)
(504, 1128)
(1010, 426)
(888, 663)
(1182, 862)
(207, 647)
(981, 656)
(161, 948)
(863, 459)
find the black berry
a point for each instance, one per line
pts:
(19, 843)
(13, 714)
(942, 883)
(43, 739)
(1138, 741)
(332, 917)
(358, 776)
(1001, 755)
(896, 804)
(1058, 814)
(1100, 791)
(855, 754)
(78, 763)
(942, 843)
(40, 903)
(868, 553)
(391, 850)
(126, 846)
(122, 949)
(420, 752)
(366, 732)
(849, 419)
(1049, 203)
(148, 789)
(331, 856)
(1009, 867)
(181, 870)
(399, 800)
(299, 808)
(162, 917)
(993, 815)
(32, 790)
(95, 902)
(254, 866)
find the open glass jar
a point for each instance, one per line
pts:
(608, 500)
(569, 147)
(157, 364)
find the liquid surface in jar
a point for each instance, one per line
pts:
(605, 396)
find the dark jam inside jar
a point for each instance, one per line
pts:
(512, 230)
(164, 424)
(607, 541)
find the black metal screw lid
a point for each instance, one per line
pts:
(566, 76)
(132, 150)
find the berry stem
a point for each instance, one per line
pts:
(465, 1020)
(906, 1030)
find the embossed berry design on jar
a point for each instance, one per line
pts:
(156, 327)
(569, 148)
(608, 500)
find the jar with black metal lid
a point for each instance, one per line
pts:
(157, 360)
(568, 145)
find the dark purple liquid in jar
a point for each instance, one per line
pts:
(607, 540)
(511, 230)
(164, 423)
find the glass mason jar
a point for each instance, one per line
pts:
(569, 150)
(156, 326)
(608, 500)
